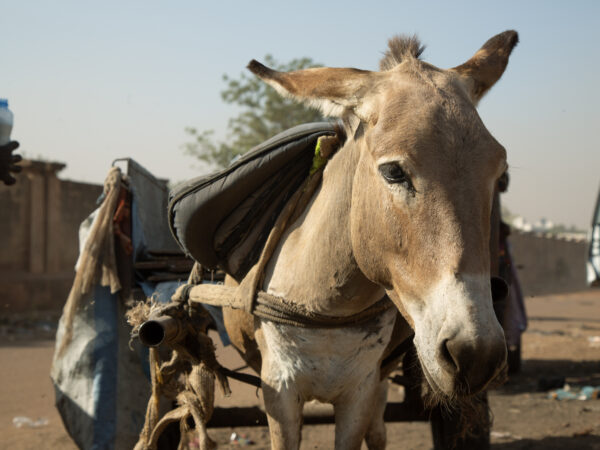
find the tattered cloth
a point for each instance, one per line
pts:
(97, 261)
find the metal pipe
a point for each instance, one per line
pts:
(160, 329)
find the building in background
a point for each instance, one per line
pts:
(39, 223)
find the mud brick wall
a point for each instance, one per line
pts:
(78, 200)
(39, 223)
(14, 227)
(547, 264)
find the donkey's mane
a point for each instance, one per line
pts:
(400, 48)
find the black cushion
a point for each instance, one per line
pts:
(223, 220)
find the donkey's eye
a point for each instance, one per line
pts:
(394, 174)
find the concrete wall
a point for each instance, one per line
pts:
(39, 222)
(547, 264)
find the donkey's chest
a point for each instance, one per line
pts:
(322, 364)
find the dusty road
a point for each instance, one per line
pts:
(559, 342)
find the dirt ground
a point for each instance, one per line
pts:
(563, 340)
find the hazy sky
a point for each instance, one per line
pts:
(89, 82)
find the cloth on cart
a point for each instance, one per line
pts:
(93, 366)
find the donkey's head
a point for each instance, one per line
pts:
(422, 196)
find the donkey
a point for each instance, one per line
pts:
(403, 209)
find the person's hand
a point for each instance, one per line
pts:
(8, 162)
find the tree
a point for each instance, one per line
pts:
(264, 114)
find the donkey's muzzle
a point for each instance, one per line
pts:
(474, 355)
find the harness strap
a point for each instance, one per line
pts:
(246, 291)
(276, 309)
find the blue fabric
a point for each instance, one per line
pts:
(160, 292)
(217, 314)
(105, 354)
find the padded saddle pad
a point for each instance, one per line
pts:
(223, 220)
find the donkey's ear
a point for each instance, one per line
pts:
(487, 65)
(336, 92)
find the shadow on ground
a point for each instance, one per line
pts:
(552, 443)
(537, 375)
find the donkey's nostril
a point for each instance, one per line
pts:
(472, 362)
(447, 357)
(499, 289)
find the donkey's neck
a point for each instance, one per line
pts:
(313, 264)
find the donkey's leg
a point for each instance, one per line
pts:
(284, 413)
(376, 436)
(353, 413)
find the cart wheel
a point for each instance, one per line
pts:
(446, 430)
